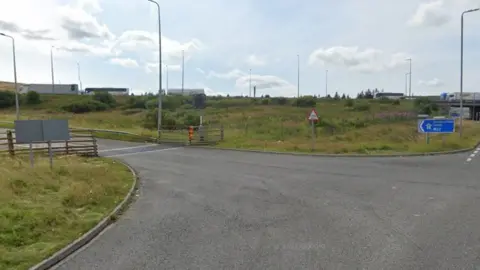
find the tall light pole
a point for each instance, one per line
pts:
(410, 77)
(326, 83)
(250, 85)
(461, 68)
(298, 75)
(159, 115)
(79, 78)
(51, 67)
(17, 106)
(166, 73)
(183, 70)
(406, 84)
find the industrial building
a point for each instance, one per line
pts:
(389, 95)
(52, 89)
(110, 90)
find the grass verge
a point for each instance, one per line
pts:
(43, 210)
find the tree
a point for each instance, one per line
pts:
(33, 98)
(343, 96)
(336, 96)
(360, 95)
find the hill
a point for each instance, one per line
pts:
(7, 86)
(345, 126)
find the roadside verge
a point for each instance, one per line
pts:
(91, 234)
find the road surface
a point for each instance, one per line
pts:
(211, 209)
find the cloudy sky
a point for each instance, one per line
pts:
(362, 43)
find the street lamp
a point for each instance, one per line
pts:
(406, 84)
(183, 71)
(159, 115)
(166, 74)
(79, 78)
(410, 80)
(17, 106)
(51, 67)
(250, 85)
(326, 83)
(298, 76)
(461, 69)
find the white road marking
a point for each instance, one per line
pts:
(142, 152)
(474, 154)
(126, 148)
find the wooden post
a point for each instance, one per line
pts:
(95, 146)
(66, 146)
(221, 133)
(11, 149)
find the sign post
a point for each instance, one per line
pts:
(313, 117)
(439, 125)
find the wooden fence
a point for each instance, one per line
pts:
(81, 143)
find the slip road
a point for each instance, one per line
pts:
(210, 209)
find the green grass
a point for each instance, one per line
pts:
(360, 127)
(43, 210)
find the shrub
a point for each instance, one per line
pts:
(265, 101)
(361, 107)
(306, 101)
(396, 102)
(85, 106)
(105, 98)
(33, 98)
(279, 101)
(349, 103)
(7, 99)
(168, 120)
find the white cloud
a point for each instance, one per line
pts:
(199, 70)
(233, 74)
(153, 67)
(435, 82)
(124, 62)
(254, 60)
(430, 14)
(367, 60)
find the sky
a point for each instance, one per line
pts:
(362, 43)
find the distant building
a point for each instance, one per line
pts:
(186, 91)
(389, 95)
(110, 90)
(56, 89)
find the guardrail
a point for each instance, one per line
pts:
(81, 143)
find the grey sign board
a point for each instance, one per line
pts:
(28, 131)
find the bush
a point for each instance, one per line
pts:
(349, 103)
(7, 99)
(168, 120)
(279, 101)
(361, 107)
(307, 101)
(265, 101)
(425, 106)
(396, 102)
(85, 106)
(105, 98)
(33, 98)
(136, 102)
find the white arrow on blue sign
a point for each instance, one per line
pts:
(436, 125)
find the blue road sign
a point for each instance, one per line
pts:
(455, 114)
(436, 125)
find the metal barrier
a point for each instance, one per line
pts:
(81, 143)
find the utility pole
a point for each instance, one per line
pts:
(166, 71)
(17, 104)
(410, 78)
(79, 78)
(406, 84)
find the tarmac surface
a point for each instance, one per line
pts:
(212, 209)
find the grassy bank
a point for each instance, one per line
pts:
(43, 210)
(346, 125)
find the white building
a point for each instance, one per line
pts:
(186, 91)
(56, 89)
(389, 95)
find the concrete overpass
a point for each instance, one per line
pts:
(473, 105)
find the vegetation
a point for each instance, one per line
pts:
(43, 210)
(360, 125)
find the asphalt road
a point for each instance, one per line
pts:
(210, 209)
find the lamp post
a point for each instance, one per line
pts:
(250, 85)
(51, 67)
(298, 76)
(17, 106)
(410, 78)
(461, 68)
(183, 71)
(406, 83)
(79, 78)
(159, 115)
(326, 83)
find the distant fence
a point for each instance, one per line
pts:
(81, 143)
